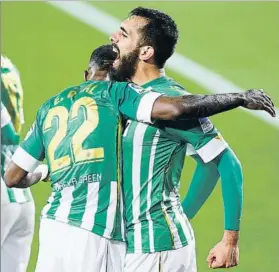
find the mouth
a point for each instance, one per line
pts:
(116, 61)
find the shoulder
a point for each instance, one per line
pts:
(174, 85)
(169, 87)
(118, 85)
(57, 99)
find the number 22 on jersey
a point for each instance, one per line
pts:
(63, 116)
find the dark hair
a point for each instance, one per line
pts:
(160, 32)
(103, 57)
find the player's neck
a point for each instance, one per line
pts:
(146, 73)
(101, 76)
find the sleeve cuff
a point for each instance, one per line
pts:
(24, 160)
(190, 150)
(145, 107)
(212, 149)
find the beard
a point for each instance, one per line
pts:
(127, 67)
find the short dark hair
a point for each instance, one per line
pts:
(160, 32)
(103, 57)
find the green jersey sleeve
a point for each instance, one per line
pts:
(31, 151)
(200, 135)
(133, 101)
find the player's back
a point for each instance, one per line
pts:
(81, 132)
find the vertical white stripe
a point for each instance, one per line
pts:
(173, 228)
(136, 170)
(149, 189)
(175, 204)
(91, 207)
(65, 203)
(19, 195)
(188, 224)
(48, 205)
(4, 193)
(111, 209)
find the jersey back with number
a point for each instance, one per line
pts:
(78, 132)
(81, 136)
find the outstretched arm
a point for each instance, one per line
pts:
(198, 106)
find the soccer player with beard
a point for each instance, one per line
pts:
(78, 132)
(159, 236)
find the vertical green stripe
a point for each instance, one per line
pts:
(27, 195)
(128, 184)
(78, 204)
(11, 195)
(118, 216)
(177, 223)
(145, 162)
(54, 205)
(162, 232)
(173, 173)
(103, 204)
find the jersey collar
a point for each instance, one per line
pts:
(155, 81)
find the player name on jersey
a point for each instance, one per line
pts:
(74, 181)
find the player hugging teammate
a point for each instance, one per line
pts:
(133, 135)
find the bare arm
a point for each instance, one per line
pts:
(198, 106)
(19, 178)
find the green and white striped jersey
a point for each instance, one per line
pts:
(79, 133)
(12, 93)
(9, 141)
(153, 158)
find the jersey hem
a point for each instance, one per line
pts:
(100, 231)
(147, 250)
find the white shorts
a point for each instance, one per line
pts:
(65, 248)
(17, 228)
(178, 260)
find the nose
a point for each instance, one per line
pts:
(114, 38)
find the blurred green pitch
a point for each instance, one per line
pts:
(238, 40)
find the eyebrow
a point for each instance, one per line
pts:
(124, 30)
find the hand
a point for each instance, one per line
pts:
(226, 253)
(255, 99)
(42, 169)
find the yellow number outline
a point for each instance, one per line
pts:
(90, 123)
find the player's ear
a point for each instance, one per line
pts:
(146, 53)
(85, 75)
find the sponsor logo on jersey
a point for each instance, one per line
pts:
(206, 124)
(137, 88)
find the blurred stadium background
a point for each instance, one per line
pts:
(238, 40)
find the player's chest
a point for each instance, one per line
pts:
(144, 135)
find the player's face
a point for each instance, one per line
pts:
(126, 43)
